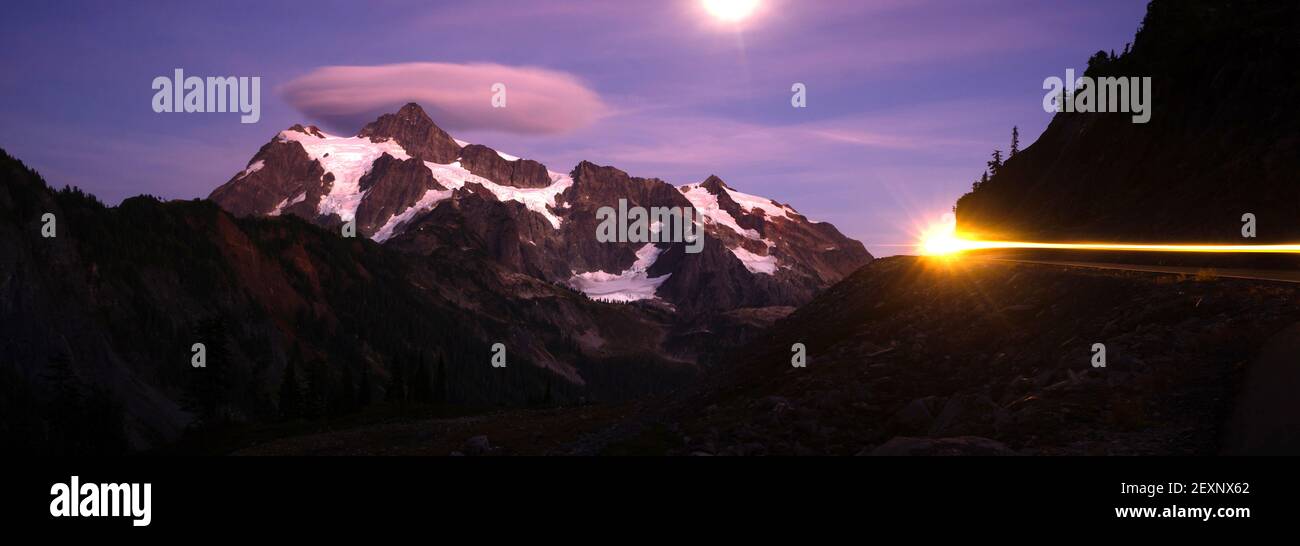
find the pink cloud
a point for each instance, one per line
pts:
(457, 96)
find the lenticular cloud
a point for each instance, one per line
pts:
(456, 96)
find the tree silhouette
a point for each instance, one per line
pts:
(319, 387)
(210, 388)
(363, 394)
(1015, 142)
(422, 384)
(1098, 62)
(347, 394)
(291, 394)
(76, 418)
(397, 383)
(995, 164)
(440, 382)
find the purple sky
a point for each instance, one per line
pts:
(906, 98)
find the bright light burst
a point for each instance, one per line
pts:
(731, 11)
(941, 239)
(944, 241)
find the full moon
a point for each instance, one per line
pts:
(731, 11)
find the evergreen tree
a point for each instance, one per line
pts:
(291, 394)
(210, 388)
(1015, 142)
(1097, 63)
(440, 382)
(61, 415)
(319, 388)
(347, 394)
(79, 419)
(397, 384)
(422, 387)
(363, 390)
(995, 164)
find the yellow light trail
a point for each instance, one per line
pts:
(944, 241)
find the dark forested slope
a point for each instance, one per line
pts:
(297, 323)
(1223, 140)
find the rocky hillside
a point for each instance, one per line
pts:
(908, 356)
(408, 184)
(1222, 140)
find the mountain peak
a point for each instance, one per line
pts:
(309, 130)
(714, 184)
(412, 128)
(412, 109)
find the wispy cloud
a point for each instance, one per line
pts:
(458, 96)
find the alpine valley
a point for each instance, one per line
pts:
(458, 247)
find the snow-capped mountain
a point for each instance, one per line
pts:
(407, 183)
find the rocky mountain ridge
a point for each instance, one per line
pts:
(407, 183)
